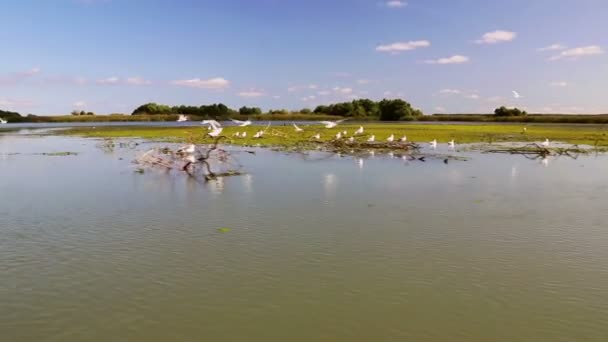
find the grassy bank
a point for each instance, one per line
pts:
(530, 118)
(285, 136)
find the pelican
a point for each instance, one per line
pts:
(433, 143)
(298, 129)
(331, 124)
(317, 136)
(372, 138)
(351, 139)
(2, 121)
(545, 143)
(187, 149)
(241, 123)
(339, 135)
(403, 139)
(360, 130)
(215, 132)
(391, 138)
(451, 143)
(516, 94)
(182, 118)
(244, 135)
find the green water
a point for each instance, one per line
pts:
(497, 248)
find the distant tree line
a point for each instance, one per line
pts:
(81, 112)
(10, 116)
(504, 111)
(388, 110)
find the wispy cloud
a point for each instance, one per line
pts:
(343, 90)
(79, 104)
(323, 93)
(308, 98)
(472, 96)
(137, 81)
(216, 83)
(16, 104)
(403, 46)
(450, 91)
(252, 93)
(19, 76)
(395, 4)
(364, 81)
(559, 84)
(498, 36)
(552, 47)
(456, 59)
(341, 74)
(108, 81)
(440, 109)
(495, 99)
(578, 52)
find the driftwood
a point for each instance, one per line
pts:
(539, 151)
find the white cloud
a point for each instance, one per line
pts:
(108, 81)
(450, 91)
(353, 96)
(276, 97)
(252, 93)
(579, 52)
(212, 83)
(403, 46)
(495, 99)
(308, 98)
(472, 96)
(343, 90)
(341, 74)
(79, 104)
(18, 77)
(14, 104)
(312, 86)
(364, 81)
(395, 4)
(137, 81)
(292, 89)
(388, 93)
(559, 84)
(497, 36)
(552, 47)
(323, 93)
(440, 109)
(456, 59)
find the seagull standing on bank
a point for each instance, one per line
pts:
(545, 143)
(339, 136)
(351, 140)
(451, 144)
(403, 139)
(359, 130)
(433, 143)
(372, 138)
(391, 138)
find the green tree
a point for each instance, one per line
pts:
(504, 111)
(250, 110)
(397, 109)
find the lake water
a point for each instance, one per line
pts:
(495, 248)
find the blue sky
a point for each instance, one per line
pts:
(440, 55)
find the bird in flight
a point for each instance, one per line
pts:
(241, 123)
(331, 124)
(516, 94)
(298, 129)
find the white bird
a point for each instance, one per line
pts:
(433, 143)
(259, 134)
(2, 121)
(317, 136)
(212, 124)
(451, 143)
(190, 159)
(403, 139)
(187, 149)
(215, 132)
(545, 143)
(516, 94)
(237, 134)
(244, 135)
(339, 135)
(344, 133)
(372, 138)
(298, 129)
(351, 139)
(524, 130)
(360, 130)
(391, 138)
(182, 118)
(241, 123)
(331, 124)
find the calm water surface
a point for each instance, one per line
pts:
(496, 248)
